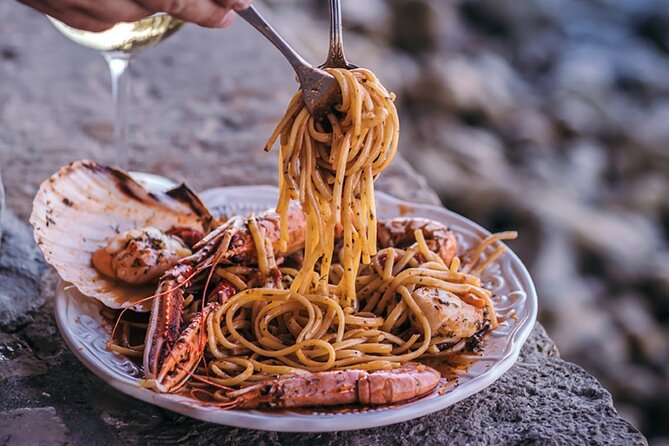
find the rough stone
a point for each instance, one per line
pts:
(21, 266)
(203, 104)
(17, 358)
(32, 427)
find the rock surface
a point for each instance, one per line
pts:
(203, 103)
(35, 426)
(21, 268)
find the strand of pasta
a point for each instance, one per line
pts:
(332, 174)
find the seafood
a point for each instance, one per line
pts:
(164, 330)
(411, 380)
(83, 205)
(399, 233)
(231, 243)
(186, 353)
(128, 237)
(242, 250)
(188, 235)
(138, 256)
(447, 314)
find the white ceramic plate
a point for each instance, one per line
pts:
(86, 332)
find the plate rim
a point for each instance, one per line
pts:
(322, 422)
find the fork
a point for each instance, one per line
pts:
(336, 57)
(320, 90)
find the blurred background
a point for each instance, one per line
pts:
(546, 116)
(550, 117)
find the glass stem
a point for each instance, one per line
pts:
(118, 67)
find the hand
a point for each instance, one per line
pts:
(99, 15)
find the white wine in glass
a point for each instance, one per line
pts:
(117, 45)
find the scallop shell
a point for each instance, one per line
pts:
(84, 204)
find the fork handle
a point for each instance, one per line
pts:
(336, 57)
(253, 17)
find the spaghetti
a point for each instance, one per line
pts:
(331, 165)
(263, 332)
(346, 300)
(267, 329)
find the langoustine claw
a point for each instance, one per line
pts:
(411, 380)
(170, 355)
(184, 356)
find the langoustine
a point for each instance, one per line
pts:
(332, 388)
(165, 360)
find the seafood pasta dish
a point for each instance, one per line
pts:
(314, 303)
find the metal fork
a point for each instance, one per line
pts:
(320, 90)
(336, 57)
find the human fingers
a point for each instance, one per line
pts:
(227, 20)
(235, 5)
(203, 12)
(113, 11)
(70, 16)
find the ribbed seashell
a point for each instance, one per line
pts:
(84, 204)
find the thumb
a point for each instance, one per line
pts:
(227, 20)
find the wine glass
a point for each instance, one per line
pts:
(118, 44)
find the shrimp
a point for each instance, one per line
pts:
(400, 233)
(138, 256)
(410, 381)
(242, 249)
